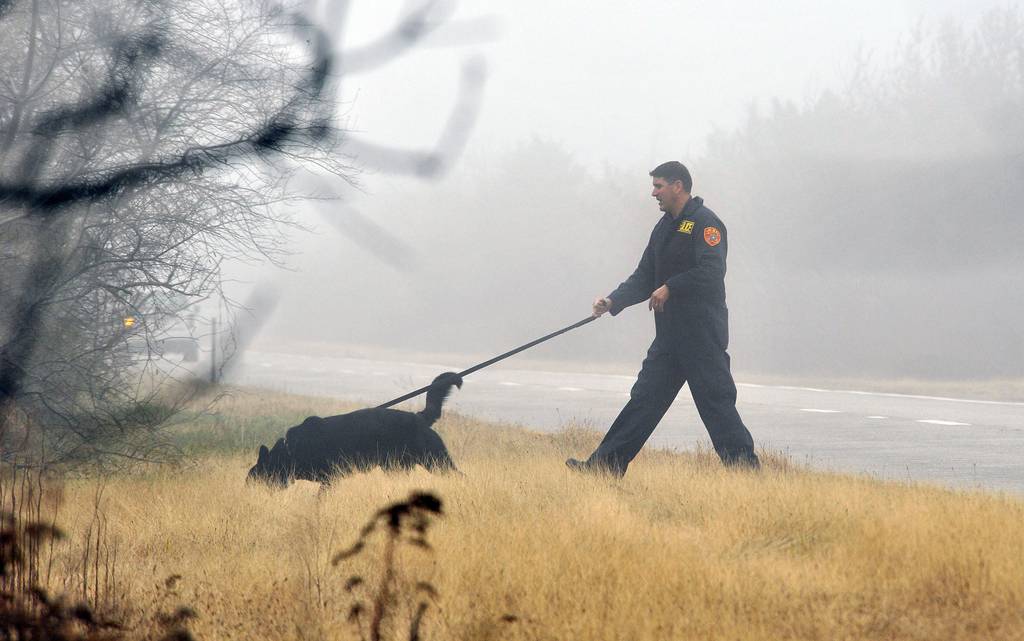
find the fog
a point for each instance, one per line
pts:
(867, 159)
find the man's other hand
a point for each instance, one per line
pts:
(658, 298)
(601, 305)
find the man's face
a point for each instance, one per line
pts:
(670, 195)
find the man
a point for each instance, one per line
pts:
(682, 276)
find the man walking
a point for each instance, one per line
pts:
(682, 276)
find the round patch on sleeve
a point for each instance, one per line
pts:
(712, 236)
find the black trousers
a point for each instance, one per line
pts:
(662, 375)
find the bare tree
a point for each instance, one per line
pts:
(142, 144)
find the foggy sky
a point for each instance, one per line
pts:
(617, 91)
(634, 85)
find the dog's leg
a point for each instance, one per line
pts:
(325, 487)
(435, 454)
(443, 465)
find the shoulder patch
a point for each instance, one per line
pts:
(712, 236)
(686, 227)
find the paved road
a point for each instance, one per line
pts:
(961, 443)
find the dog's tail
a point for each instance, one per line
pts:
(439, 391)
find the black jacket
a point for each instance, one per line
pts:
(687, 254)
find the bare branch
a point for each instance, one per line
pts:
(145, 144)
(433, 163)
(409, 30)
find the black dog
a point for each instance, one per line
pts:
(320, 448)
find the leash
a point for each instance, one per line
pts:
(494, 360)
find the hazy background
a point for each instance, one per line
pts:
(866, 157)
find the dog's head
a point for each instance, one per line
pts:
(273, 467)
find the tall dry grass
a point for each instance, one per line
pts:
(679, 549)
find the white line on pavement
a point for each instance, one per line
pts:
(934, 421)
(807, 409)
(888, 394)
(879, 418)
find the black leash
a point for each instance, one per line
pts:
(493, 360)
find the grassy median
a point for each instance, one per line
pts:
(679, 549)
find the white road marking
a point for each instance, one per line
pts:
(934, 421)
(266, 364)
(570, 389)
(886, 394)
(510, 384)
(880, 418)
(807, 409)
(800, 389)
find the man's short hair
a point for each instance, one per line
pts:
(672, 171)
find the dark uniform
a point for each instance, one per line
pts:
(692, 333)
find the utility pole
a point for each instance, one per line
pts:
(213, 350)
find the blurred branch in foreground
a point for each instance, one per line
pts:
(142, 145)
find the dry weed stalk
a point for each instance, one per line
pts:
(24, 497)
(28, 612)
(411, 518)
(99, 570)
(27, 609)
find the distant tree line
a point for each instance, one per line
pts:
(882, 220)
(874, 230)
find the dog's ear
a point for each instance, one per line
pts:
(263, 455)
(278, 453)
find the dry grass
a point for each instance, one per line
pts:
(679, 549)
